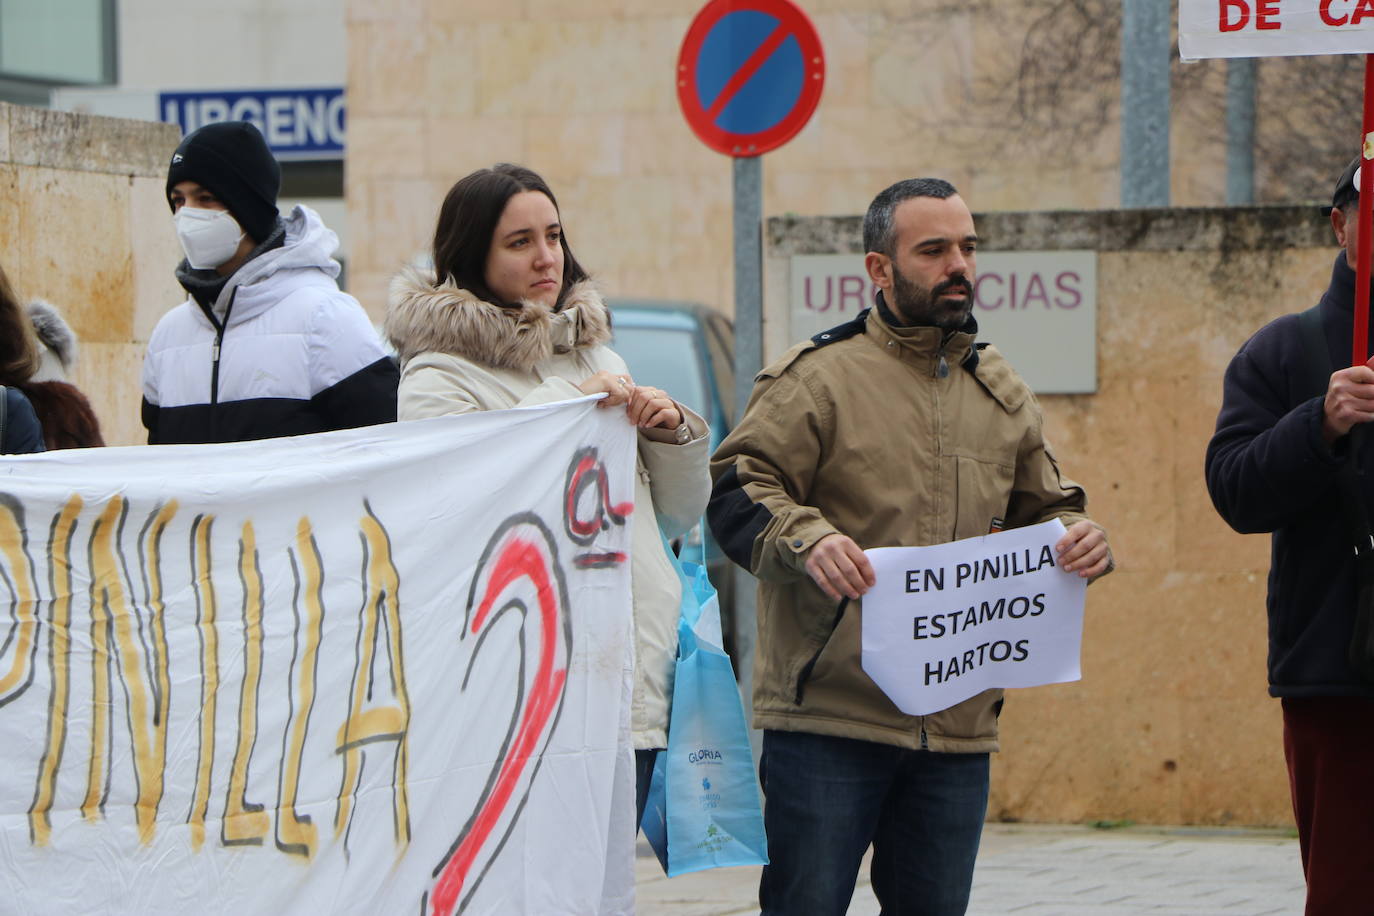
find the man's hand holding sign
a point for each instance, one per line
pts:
(939, 621)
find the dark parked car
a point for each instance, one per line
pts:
(688, 350)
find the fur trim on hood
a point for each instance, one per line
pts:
(422, 317)
(57, 342)
(53, 331)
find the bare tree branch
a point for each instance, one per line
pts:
(1062, 90)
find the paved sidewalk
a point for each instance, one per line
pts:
(1057, 871)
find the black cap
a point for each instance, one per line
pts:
(232, 160)
(1347, 187)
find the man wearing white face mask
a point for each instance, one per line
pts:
(266, 345)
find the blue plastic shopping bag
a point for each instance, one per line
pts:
(703, 809)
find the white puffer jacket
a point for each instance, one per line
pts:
(287, 353)
(461, 354)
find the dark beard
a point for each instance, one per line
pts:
(920, 306)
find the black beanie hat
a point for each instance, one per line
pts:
(232, 160)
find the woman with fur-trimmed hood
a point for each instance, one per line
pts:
(67, 417)
(512, 320)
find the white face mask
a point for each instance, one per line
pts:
(209, 237)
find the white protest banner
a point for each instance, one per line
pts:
(1274, 28)
(945, 623)
(375, 671)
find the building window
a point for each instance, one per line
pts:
(55, 43)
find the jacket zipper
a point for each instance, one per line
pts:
(219, 341)
(214, 367)
(941, 371)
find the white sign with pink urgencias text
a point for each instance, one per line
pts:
(1039, 308)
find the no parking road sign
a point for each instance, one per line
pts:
(749, 75)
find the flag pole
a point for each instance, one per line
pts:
(1360, 342)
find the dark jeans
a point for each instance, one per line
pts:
(826, 799)
(644, 772)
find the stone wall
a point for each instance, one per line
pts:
(84, 224)
(1171, 723)
(584, 93)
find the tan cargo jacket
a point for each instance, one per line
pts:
(894, 437)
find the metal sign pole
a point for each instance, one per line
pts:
(739, 66)
(748, 276)
(748, 192)
(1240, 131)
(1145, 48)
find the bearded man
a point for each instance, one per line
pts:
(895, 429)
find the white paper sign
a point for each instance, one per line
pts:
(384, 670)
(945, 623)
(1274, 28)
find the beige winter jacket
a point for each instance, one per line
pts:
(864, 436)
(461, 354)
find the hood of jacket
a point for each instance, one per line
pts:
(425, 317)
(305, 256)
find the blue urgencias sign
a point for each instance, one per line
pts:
(298, 123)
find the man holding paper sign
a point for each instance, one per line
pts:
(895, 429)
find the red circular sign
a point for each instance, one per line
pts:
(749, 75)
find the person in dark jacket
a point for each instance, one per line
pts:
(1273, 465)
(266, 345)
(20, 432)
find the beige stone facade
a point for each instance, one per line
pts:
(584, 94)
(84, 224)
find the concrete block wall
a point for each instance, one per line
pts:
(84, 224)
(1171, 723)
